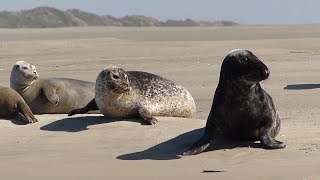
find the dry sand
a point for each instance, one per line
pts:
(91, 147)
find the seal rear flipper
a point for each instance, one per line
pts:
(197, 148)
(146, 115)
(91, 106)
(270, 143)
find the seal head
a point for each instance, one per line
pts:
(22, 75)
(243, 66)
(114, 80)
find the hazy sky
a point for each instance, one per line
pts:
(242, 11)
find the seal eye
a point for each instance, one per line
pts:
(243, 60)
(115, 76)
(25, 68)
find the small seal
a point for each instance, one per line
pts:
(13, 106)
(52, 95)
(241, 109)
(125, 94)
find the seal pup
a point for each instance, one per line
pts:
(12, 105)
(125, 94)
(51, 95)
(241, 109)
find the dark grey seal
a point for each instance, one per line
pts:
(12, 105)
(51, 95)
(241, 109)
(125, 94)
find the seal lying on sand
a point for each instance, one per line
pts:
(124, 94)
(241, 109)
(52, 95)
(12, 105)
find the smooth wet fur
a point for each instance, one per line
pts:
(241, 109)
(51, 95)
(126, 94)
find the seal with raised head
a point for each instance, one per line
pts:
(125, 94)
(12, 105)
(241, 109)
(51, 95)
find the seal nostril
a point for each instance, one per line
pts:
(267, 72)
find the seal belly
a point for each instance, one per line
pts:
(175, 106)
(123, 107)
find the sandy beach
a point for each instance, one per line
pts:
(93, 147)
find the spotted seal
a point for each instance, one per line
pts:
(51, 95)
(12, 105)
(241, 109)
(125, 94)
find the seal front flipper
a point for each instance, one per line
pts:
(270, 143)
(146, 115)
(24, 113)
(52, 96)
(27, 118)
(197, 148)
(268, 140)
(91, 106)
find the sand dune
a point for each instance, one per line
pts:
(90, 146)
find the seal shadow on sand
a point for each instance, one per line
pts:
(15, 121)
(168, 150)
(302, 86)
(173, 148)
(76, 124)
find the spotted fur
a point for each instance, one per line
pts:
(123, 94)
